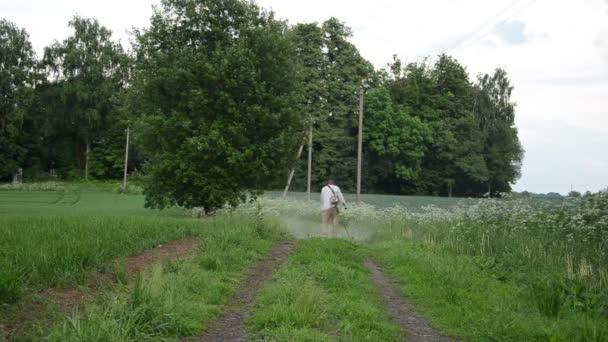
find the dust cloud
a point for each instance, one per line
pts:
(305, 228)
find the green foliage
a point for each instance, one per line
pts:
(218, 104)
(88, 72)
(496, 115)
(397, 141)
(107, 160)
(17, 77)
(452, 135)
(219, 112)
(322, 293)
(333, 73)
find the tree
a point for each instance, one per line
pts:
(337, 70)
(397, 141)
(90, 70)
(308, 43)
(414, 87)
(216, 84)
(17, 78)
(458, 143)
(473, 146)
(496, 115)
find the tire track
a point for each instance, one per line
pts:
(416, 327)
(231, 325)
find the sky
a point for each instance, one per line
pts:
(555, 52)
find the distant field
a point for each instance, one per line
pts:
(52, 238)
(76, 202)
(412, 203)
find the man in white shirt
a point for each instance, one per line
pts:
(331, 199)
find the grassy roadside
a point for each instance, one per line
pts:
(322, 293)
(176, 298)
(457, 296)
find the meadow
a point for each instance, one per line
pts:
(492, 269)
(321, 293)
(59, 235)
(477, 270)
(176, 298)
(54, 237)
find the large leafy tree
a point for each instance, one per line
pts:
(345, 72)
(456, 154)
(496, 115)
(216, 80)
(337, 71)
(17, 79)
(473, 140)
(396, 140)
(414, 88)
(88, 70)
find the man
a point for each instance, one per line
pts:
(331, 199)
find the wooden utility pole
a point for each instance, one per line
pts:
(86, 158)
(292, 171)
(124, 180)
(360, 145)
(309, 161)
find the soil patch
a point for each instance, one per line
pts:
(64, 300)
(168, 251)
(416, 327)
(230, 326)
(67, 298)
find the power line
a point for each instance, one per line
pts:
(506, 19)
(473, 37)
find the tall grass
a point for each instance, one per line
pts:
(554, 254)
(177, 298)
(558, 254)
(57, 238)
(322, 293)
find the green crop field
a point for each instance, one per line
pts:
(413, 203)
(52, 238)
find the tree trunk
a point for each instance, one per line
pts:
(489, 190)
(450, 190)
(308, 186)
(86, 159)
(124, 179)
(292, 172)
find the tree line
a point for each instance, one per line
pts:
(220, 94)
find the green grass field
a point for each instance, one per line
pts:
(508, 270)
(490, 270)
(174, 299)
(323, 293)
(54, 238)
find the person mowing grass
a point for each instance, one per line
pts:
(331, 199)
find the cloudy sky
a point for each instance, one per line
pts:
(555, 51)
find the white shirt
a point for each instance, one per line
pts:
(326, 195)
